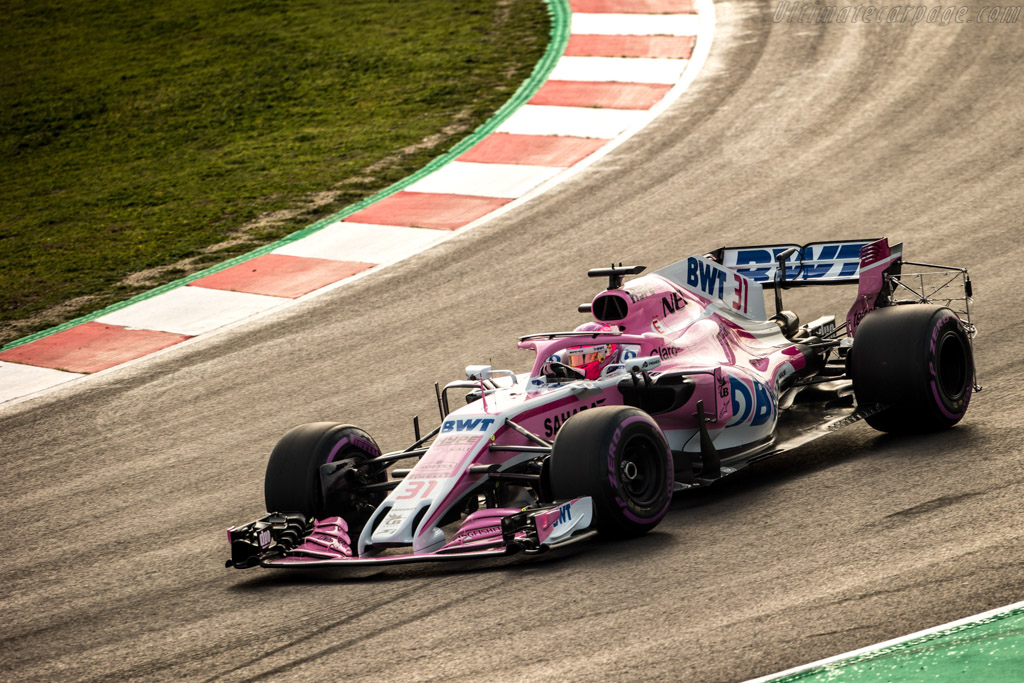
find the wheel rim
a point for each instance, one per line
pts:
(951, 371)
(642, 470)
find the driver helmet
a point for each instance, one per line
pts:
(594, 358)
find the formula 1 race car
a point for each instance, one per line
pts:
(680, 380)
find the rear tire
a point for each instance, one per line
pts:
(918, 360)
(619, 457)
(292, 482)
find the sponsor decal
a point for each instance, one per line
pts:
(552, 423)
(560, 522)
(752, 403)
(746, 262)
(830, 260)
(639, 291)
(706, 277)
(265, 538)
(470, 534)
(629, 352)
(782, 373)
(671, 303)
(858, 316)
(365, 446)
(473, 424)
(666, 352)
(724, 399)
(811, 262)
(431, 470)
(730, 288)
(342, 447)
(394, 519)
(612, 448)
(445, 456)
(391, 522)
(455, 443)
(555, 358)
(564, 514)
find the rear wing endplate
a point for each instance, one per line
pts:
(836, 262)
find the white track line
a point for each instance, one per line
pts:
(191, 310)
(18, 380)
(580, 122)
(485, 180)
(363, 243)
(619, 69)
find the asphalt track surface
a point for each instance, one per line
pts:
(116, 491)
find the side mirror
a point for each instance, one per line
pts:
(644, 364)
(478, 373)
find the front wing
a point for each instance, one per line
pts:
(290, 540)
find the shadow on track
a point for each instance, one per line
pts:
(829, 453)
(277, 578)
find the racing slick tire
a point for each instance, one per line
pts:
(917, 359)
(619, 457)
(292, 482)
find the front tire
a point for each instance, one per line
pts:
(916, 359)
(292, 482)
(619, 457)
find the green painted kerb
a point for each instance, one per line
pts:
(990, 650)
(560, 23)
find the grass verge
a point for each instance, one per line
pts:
(145, 142)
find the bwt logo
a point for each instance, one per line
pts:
(811, 262)
(706, 277)
(564, 514)
(478, 424)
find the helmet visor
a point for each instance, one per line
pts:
(583, 355)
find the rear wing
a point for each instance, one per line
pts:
(819, 263)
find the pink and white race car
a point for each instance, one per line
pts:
(680, 380)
